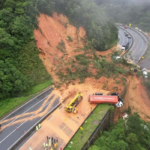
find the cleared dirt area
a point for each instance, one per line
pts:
(61, 124)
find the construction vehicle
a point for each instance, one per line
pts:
(113, 98)
(73, 103)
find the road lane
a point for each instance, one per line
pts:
(139, 46)
(124, 39)
(24, 107)
(23, 127)
(13, 132)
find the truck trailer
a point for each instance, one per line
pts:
(107, 99)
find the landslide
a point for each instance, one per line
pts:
(70, 62)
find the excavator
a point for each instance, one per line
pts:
(71, 106)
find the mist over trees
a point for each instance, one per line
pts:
(101, 31)
(136, 12)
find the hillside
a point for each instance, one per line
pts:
(21, 67)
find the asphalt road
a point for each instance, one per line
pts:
(12, 133)
(123, 40)
(145, 63)
(139, 46)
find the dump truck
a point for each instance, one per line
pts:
(71, 106)
(107, 99)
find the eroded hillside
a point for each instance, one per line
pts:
(66, 56)
(52, 33)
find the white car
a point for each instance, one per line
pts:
(117, 57)
(145, 73)
(123, 48)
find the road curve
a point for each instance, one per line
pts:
(10, 132)
(123, 40)
(139, 46)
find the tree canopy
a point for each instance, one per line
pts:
(21, 67)
(129, 11)
(130, 134)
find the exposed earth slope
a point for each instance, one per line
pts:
(60, 44)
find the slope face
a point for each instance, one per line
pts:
(51, 33)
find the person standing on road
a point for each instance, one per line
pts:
(0, 126)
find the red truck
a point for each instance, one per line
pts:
(109, 99)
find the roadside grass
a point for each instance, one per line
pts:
(82, 136)
(9, 104)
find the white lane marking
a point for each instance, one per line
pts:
(138, 46)
(13, 131)
(19, 127)
(26, 103)
(25, 112)
(32, 127)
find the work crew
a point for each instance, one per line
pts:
(39, 126)
(44, 145)
(50, 142)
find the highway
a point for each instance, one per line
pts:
(123, 40)
(22, 119)
(145, 63)
(139, 46)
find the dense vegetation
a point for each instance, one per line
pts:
(128, 11)
(20, 66)
(101, 31)
(132, 134)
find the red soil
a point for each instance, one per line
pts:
(52, 31)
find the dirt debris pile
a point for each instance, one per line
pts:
(59, 43)
(52, 32)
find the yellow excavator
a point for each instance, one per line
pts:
(73, 103)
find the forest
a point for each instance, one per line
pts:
(128, 11)
(20, 65)
(130, 134)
